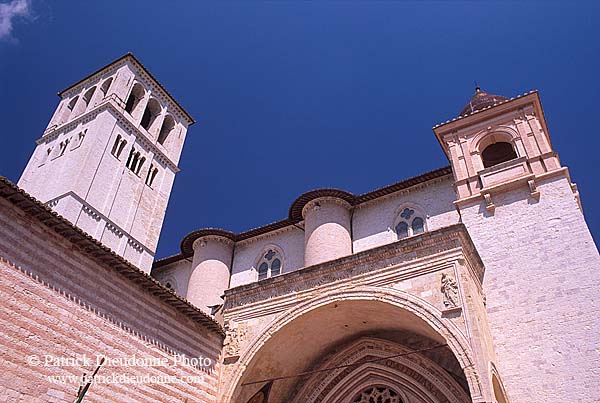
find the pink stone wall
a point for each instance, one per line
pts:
(327, 230)
(58, 302)
(542, 280)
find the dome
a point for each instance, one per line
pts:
(480, 100)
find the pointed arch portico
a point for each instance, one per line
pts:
(387, 309)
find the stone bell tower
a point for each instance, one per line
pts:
(542, 266)
(108, 158)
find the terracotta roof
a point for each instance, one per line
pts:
(484, 109)
(103, 255)
(295, 212)
(135, 60)
(480, 100)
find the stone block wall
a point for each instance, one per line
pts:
(541, 281)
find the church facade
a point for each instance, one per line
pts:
(475, 282)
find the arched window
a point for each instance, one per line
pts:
(150, 114)
(105, 86)
(166, 128)
(377, 394)
(497, 153)
(409, 223)
(70, 109)
(418, 225)
(136, 95)
(72, 103)
(270, 264)
(87, 97)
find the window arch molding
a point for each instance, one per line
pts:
(491, 136)
(263, 257)
(494, 135)
(407, 213)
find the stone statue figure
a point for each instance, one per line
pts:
(450, 291)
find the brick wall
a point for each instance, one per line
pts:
(57, 301)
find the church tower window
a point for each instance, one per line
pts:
(118, 146)
(150, 114)
(497, 153)
(151, 175)
(409, 223)
(105, 86)
(270, 264)
(136, 95)
(87, 97)
(166, 128)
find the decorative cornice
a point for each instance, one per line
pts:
(394, 254)
(97, 215)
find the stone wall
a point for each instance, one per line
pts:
(542, 280)
(59, 302)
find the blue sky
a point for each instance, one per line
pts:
(292, 96)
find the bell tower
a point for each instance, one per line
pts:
(108, 158)
(525, 218)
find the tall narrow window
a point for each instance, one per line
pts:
(139, 165)
(263, 271)
(118, 146)
(151, 175)
(270, 264)
(402, 230)
(166, 128)
(129, 163)
(150, 114)
(418, 225)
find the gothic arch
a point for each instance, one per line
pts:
(415, 376)
(278, 252)
(417, 211)
(426, 312)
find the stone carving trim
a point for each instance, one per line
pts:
(427, 244)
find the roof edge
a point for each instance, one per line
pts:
(295, 212)
(101, 254)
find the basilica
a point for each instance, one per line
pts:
(475, 282)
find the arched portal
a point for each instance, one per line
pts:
(300, 347)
